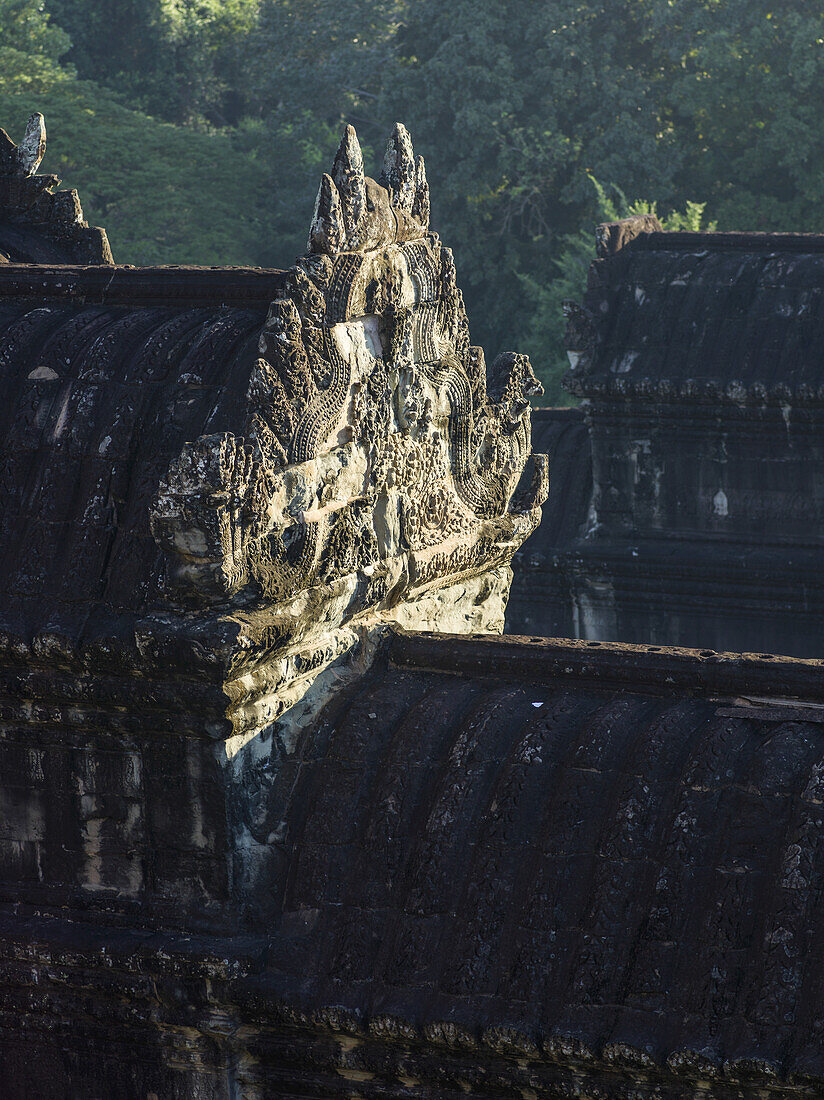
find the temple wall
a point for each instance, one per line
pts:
(111, 804)
(702, 523)
(704, 527)
(711, 469)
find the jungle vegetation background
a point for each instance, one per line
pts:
(196, 130)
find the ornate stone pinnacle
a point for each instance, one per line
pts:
(420, 207)
(399, 168)
(348, 177)
(356, 214)
(376, 478)
(328, 231)
(32, 148)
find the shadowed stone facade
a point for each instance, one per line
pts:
(262, 833)
(489, 868)
(697, 361)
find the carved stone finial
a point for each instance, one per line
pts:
(399, 168)
(328, 231)
(348, 177)
(32, 148)
(420, 207)
(378, 478)
(355, 214)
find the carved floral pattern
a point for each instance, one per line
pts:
(373, 433)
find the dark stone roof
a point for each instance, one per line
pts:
(735, 316)
(41, 226)
(105, 373)
(26, 245)
(563, 436)
(535, 606)
(614, 847)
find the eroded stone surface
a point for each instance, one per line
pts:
(39, 224)
(376, 465)
(222, 489)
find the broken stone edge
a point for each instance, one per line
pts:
(33, 201)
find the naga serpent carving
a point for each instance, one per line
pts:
(300, 560)
(377, 455)
(480, 487)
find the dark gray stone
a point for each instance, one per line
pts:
(696, 358)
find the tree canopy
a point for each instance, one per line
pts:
(197, 129)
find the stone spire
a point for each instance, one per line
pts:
(398, 175)
(32, 148)
(355, 213)
(348, 177)
(328, 230)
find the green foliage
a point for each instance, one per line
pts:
(743, 99)
(543, 339)
(30, 48)
(515, 106)
(28, 29)
(512, 104)
(167, 194)
(312, 60)
(177, 59)
(672, 98)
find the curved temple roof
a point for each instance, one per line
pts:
(105, 373)
(491, 833)
(735, 316)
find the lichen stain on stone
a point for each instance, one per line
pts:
(720, 505)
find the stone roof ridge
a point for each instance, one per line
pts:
(753, 679)
(40, 218)
(716, 240)
(126, 285)
(644, 231)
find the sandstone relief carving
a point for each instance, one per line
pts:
(378, 463)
